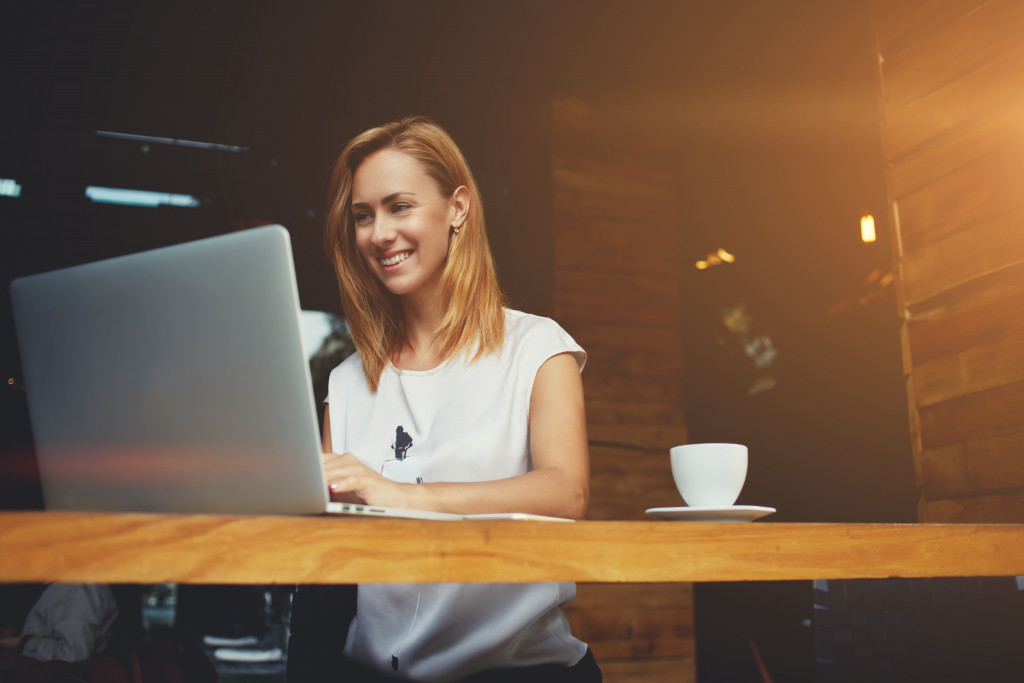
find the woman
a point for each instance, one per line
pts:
(453, 403)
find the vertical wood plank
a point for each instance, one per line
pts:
(952, 106)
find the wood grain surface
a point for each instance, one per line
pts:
(147, 548)
(950, 110)
(976, 33)
(902, 24)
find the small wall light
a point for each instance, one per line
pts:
(867, 228)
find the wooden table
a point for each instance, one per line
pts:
(142, 548)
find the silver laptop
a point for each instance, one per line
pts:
(175, 380)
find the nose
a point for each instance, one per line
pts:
(383, 232)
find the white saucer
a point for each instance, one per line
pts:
(733, 513)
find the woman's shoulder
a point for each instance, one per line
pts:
(347, 382)
(529, 331)
(353, 360)
(351, 366)
(521, 323)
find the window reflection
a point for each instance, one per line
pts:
(327, 342)
(755, 345)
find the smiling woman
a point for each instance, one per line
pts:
(419, 152)
(452, 403)
(403, 224)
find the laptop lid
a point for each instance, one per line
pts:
(173, 380)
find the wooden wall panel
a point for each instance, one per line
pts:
(902, 22)
(949, 154)
(947, 263)
(603, 383)
(979, 94)
(634, 300)
(980, 191)
(988, 315)
(952, 107)
(978, 35)
(625, 482)
(650, 412)
(970, 417)
(642, 435)
(1004, 508)
(634, 630)
(592, 201)
(989, 464)
(649, 671)
(650, 352)
(617, 291)
(592, 244)
(974, 370)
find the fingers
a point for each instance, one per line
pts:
(333, 461)
(350, 481)
(345, 474)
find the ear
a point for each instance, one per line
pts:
(459, 206)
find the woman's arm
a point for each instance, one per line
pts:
(558, 485)
(326, 433)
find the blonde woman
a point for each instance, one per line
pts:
(453, 403)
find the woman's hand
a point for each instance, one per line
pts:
(350, 481)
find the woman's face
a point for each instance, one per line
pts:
(402, 221)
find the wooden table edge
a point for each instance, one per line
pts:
(156, 548)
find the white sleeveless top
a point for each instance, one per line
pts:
(460, 422)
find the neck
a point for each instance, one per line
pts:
(422, 318)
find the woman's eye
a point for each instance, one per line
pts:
(362, 218)
(400, 208)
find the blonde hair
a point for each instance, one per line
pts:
(473, 319)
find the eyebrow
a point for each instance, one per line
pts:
(387, 200)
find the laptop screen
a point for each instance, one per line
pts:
(173, 380)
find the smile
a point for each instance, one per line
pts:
(395, 259)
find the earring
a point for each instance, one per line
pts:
(455, 230)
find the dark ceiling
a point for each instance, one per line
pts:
(755, 99)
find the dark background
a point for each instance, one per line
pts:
(768, 109)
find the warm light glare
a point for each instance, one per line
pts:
(726, 256)
(702, 265)
(867, 228)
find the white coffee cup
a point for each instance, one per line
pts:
(709, 474)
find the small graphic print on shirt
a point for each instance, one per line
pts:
(402, 467)
(402, 444)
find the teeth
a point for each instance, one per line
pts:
(397, 258)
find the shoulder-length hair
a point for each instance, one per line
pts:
(473, 318)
